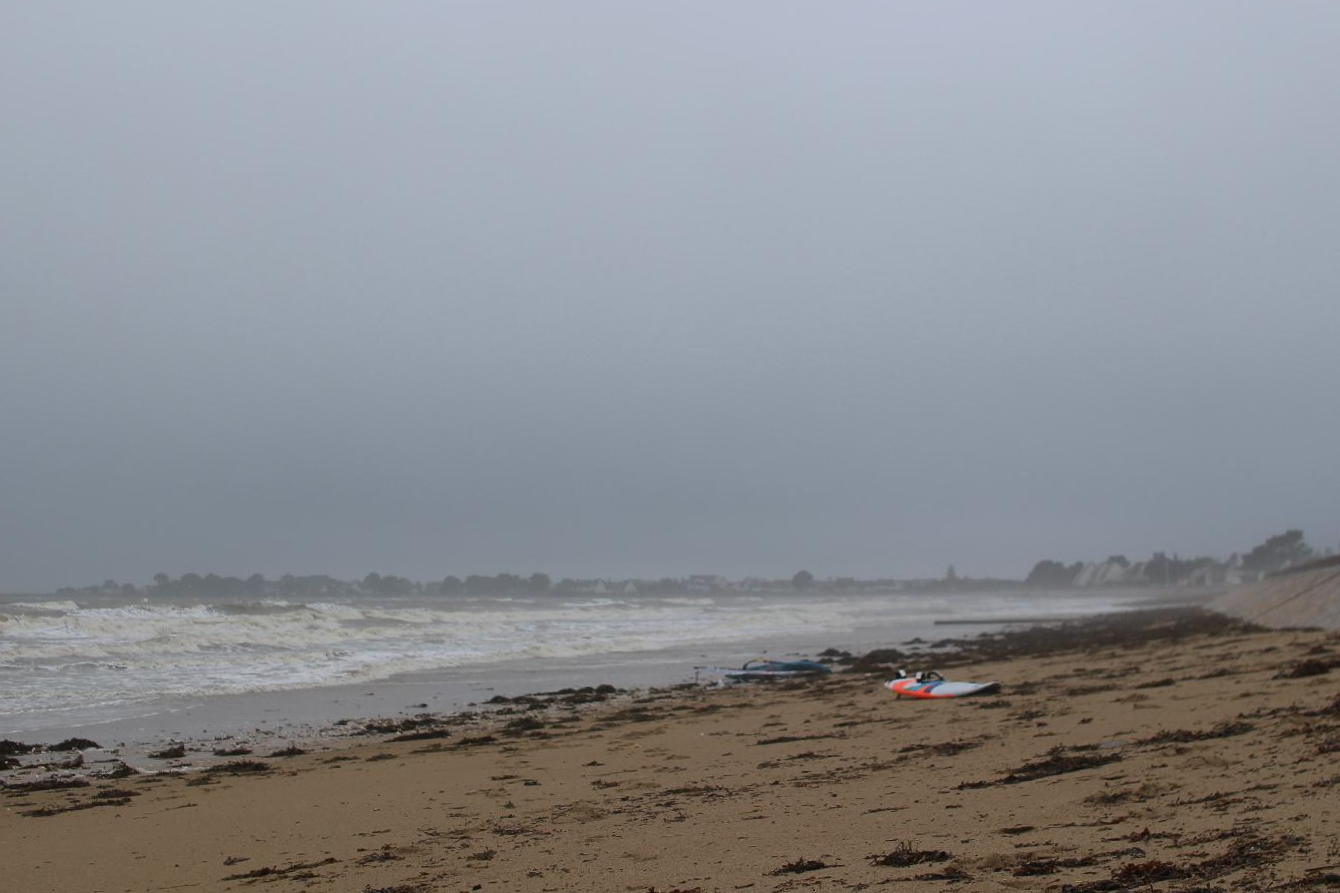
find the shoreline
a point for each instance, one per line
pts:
(304, 715)
(322, 718)
(119, 742)
(1160, 750)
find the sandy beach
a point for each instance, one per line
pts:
(1169, 750)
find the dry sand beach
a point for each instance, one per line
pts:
(1172, 750)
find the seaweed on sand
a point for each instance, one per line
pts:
(10, 748)
(799, 866)
(422, 735)
(1098, 689)
(1309, 667)
(1246, 851)
(1146, 791)
(1036, 866)
(386, 854)
(571, 697)
(171, 752)
(75, 807)
(906, 854)
(943, 749)
(1183, 736)
(1039, 865)
(232, 752)
(631, 715)
(118, 769)
(791, 739)
(392, 726)
(521, 725)
(298, 869)
(240, 767)
(1124, 630)
(478, 741)
(1145, 873)
(1059, 762)
(52, 783)
(290, 751)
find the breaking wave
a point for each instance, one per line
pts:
(66, 656)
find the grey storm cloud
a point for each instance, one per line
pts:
(634, 289)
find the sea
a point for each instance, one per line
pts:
(137, 669)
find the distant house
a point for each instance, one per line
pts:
(1106, 573)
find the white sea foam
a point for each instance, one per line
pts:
(70, 658)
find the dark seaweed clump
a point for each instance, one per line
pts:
(1125, 630)
(232, 752)
(297, 870)
(171, 752)
(1246, 851)
(422, 735)
(906, 854)
(566, 696)
(239, 767)
(53, 783)
(1058, 761)
(1310, 667)
(1144, 873)
(521, 725)
(289, 751)
(1182, 736)
(17, 748)
(46, 811)
(392, 726)
(479, 741)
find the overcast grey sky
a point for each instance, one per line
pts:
(613, 288)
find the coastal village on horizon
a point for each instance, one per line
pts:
(1277, 553)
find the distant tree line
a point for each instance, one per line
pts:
(1278, 552)
(321, 585)
(290, 586)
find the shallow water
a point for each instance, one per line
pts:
(137, 669)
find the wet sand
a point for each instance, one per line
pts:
(1157, 751)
